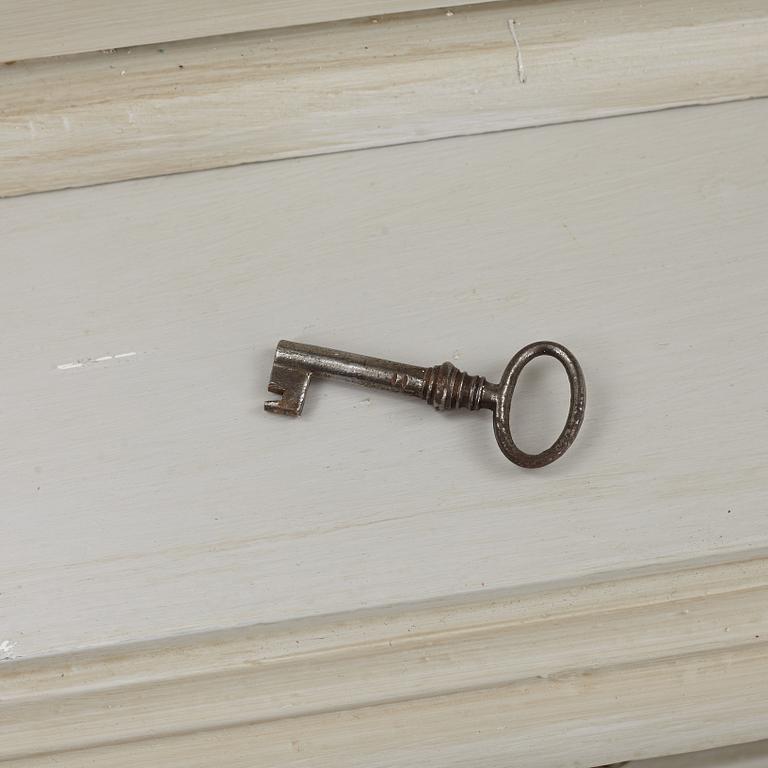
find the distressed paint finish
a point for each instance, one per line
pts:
(146, 496)
(55, 27)
(754, 755)
(628, 665)
(308, 90)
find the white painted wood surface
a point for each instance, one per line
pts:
(38, 28)
(584, 673)
(317, 89)
(150, 495)
(753, 755)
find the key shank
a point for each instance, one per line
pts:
(443, 386)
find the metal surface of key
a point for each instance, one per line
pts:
(443, 386)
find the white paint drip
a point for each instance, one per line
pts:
(93, 360)
(6, 650)
(521, 76)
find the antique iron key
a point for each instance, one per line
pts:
(443, 386)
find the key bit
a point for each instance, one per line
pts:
(443, 386)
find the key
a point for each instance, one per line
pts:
(443, 386)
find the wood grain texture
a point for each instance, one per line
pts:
(579, 674)
(151, 495)
(753, 755)
(349, 85)
(37, 28)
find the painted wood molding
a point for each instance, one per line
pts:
(207, 103)
(38, 28)
(581, 673)
(753, 755)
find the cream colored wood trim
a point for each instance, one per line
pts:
(300, 91)
(36, 28)
(754, 755)
(628, 666)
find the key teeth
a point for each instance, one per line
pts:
(291, 384)
(282, 406)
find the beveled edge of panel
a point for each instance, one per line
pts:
(655, 635)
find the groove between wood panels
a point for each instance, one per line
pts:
(39, 28)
